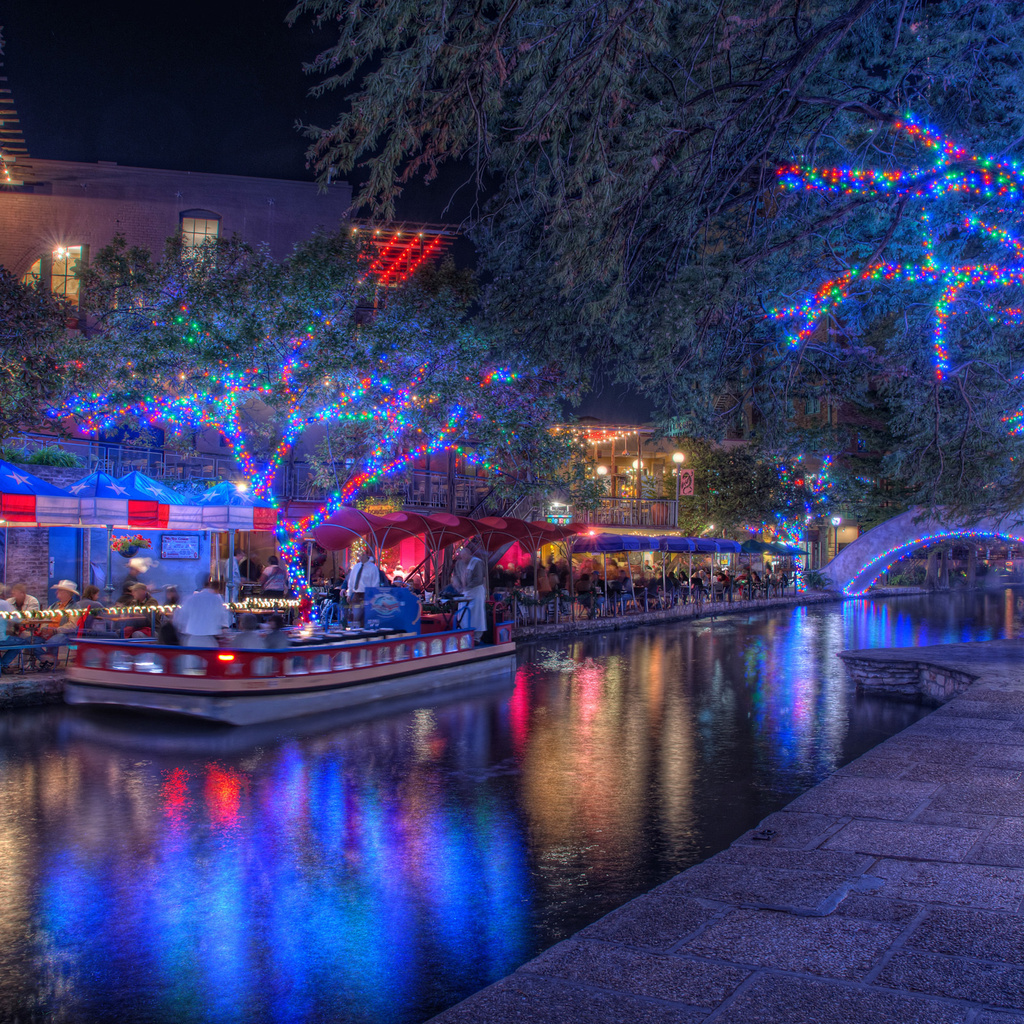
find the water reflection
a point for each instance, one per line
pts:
(379, 870)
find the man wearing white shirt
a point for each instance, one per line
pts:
(204, 616)
(362, 575)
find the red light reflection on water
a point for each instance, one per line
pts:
(519, 710)
(588, 686)
(223, 791)
(174, 796)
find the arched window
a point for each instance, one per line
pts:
(33, 274)
(60, 271)
(199, 226)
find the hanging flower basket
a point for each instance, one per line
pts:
(128, 547)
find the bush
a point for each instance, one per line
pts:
(52, 455)
(48, 455)
(815, 579)
(11, 454)
(909, 577)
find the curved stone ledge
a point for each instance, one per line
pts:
(893, 674)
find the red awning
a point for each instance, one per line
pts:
(346, 526)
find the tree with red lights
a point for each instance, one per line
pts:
(631, 152)
(270, 355)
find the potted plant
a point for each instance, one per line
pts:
(129, 546)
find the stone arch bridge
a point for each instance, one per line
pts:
(860, 564)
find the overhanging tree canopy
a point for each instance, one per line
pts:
(635, 151)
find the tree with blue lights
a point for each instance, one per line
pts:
(630, 154)
(268, 355)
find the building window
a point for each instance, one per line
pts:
(64, 272)
(33, 274)
(199, 226)
(60, 271)
(813, 407)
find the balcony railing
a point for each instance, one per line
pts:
(630, 512)
(426, 491)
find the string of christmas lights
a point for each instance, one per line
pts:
(954, 172)
(894, 554)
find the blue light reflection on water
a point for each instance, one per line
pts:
(378, 871)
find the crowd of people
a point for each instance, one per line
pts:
(611, 585)
(34, 635)
(598, 586)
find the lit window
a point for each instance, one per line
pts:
(199, 228)
(33, 274)
(60, 269)
(64, 272)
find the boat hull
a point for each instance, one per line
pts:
(254, 701)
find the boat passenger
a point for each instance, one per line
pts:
(363, 575)
(277, 638)
(203, 617)
(471, 580)
(248, 635)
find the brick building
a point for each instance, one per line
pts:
(54, 212)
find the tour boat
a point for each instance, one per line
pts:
(248, 686)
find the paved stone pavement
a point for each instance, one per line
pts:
(891, 892)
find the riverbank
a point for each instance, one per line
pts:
(892, 891)
(31, 690)
(680, 613)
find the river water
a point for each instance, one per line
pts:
(380, 869)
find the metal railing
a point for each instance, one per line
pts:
(630, 512)
(427, 491)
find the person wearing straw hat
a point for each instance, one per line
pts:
(57, 633)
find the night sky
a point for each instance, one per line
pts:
(197, 85)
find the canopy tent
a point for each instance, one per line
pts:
(611, 543)
(763, 547)
(721, 545)
(174, 511)
(105, 501)
(29, 500)
(785, 549)
(226, 507)
(346, 526)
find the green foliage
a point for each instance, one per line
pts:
(910, 577)
(47, 455)
(815, 579)
(34, 350)
(264, 352)
(633, 149)
(734, 487)
(52, 455)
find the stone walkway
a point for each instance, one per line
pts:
(891, 892)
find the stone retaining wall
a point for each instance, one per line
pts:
(26, 691)
(900, 677)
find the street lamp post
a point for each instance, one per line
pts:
(678, 458)
(836, 520)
